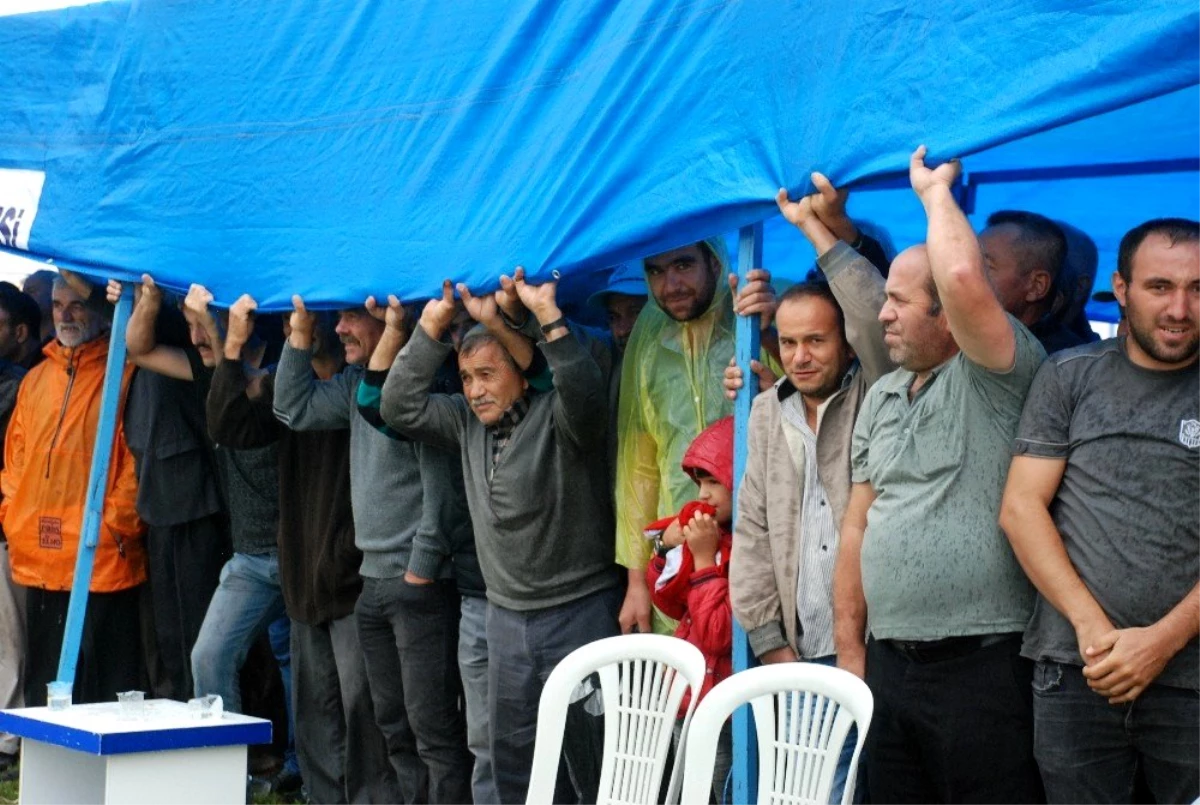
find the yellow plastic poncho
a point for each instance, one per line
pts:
(671, 389)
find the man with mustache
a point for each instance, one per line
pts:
(921, 560)
(537, 489)
(48, 453)
(1102, 508)
(671, 391)
(411, 526)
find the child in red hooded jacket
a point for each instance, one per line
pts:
(689, 574)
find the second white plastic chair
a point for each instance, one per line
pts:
(802, 714)
(642, 682)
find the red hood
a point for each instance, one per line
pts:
(712, 451)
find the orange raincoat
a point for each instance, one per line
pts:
(47, 458)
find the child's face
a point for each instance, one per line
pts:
(714, 493)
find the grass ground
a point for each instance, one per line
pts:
(9, 789)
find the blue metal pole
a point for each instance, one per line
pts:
(745, 750)
(93, 511)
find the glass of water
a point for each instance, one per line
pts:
(58, 695)
(132, 705)
(205, 707)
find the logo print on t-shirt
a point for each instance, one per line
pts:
(50, 533)
(1189, 432)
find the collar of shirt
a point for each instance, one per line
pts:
(899, 380)
(510, 419)
(785, 389)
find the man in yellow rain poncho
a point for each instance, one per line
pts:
(670, 391)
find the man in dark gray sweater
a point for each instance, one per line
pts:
(407, 525)
(537, 488)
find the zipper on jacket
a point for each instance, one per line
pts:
(62, 411)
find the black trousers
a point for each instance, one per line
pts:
(184, 566)
(110, 652)
(958, 729)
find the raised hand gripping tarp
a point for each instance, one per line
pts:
(336, 148)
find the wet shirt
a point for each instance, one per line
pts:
(1128, 506)
(935, 563)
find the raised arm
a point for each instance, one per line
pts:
(855, 281)
(395, 333)
(239, 412)
(581, 405)
(143, 349)
(485, 309)
(978, 322)
(406, 403)
(303, 402)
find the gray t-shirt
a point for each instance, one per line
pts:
(935, 563)
(1128, 507)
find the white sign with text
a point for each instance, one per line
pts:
(20, 191)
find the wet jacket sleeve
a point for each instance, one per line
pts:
(442, 511)
(709, 610)
(304, 402)
(637, 461)
(367, 399)
(753, 592)
(407, 404)
(581, 402)
(120, 504)
(859, 289)
(14, 454)
(672, 597)
(234, 418)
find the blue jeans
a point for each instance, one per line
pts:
(473, 667)
(280, 635)
(1089, 750)
(247, 600)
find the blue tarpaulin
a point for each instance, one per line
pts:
(336, 148)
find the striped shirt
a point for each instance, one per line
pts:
(818, 542)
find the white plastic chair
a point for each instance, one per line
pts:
(802, 714)
(642, 681)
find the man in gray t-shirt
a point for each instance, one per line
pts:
(1102, 508)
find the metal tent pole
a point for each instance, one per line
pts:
(93, 512)
(745, 749)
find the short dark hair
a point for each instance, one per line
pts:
(477, 338)
(1042, 242)
(21, 308)
(815, 289)
(1176, 230)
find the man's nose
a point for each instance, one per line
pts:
(1177, 305)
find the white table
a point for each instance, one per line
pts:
(88, 754)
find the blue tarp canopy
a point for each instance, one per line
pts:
(336, 148)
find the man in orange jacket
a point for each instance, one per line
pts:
(47, 458)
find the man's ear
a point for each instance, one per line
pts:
(1039, 287)
(21, 331)
(1119, 288)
